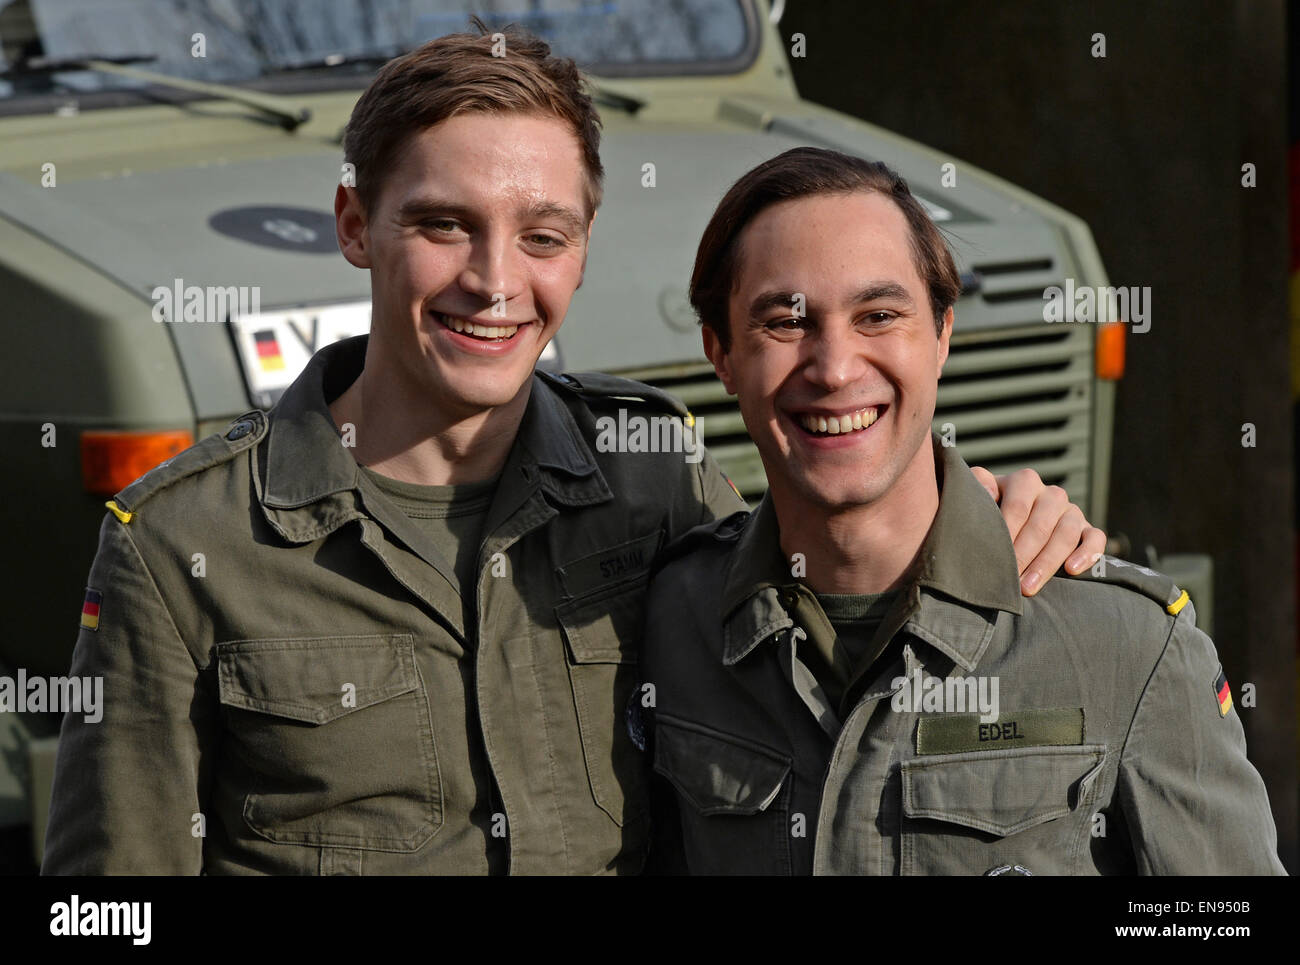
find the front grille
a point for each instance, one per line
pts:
(719, 416)
(1010, 398)
(1022, 397)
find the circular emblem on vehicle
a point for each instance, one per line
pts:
(277, 226)
(1015, 870)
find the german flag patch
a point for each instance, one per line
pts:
(1222, 693)
(90, 609)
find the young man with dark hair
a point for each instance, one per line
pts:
(849, 680)
(417, 635)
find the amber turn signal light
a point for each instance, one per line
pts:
(111, 461)
(1110, 351)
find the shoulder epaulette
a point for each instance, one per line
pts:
(1148, 582)
(244, 432)
(599, 385)
(725, 530)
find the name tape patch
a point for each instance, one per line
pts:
(959, 733)
(609, 566)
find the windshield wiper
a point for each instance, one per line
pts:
(618, 100)
(51, 65)
(289, 115)
(600, 93)
(337, 60)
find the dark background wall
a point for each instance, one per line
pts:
(1147, 145)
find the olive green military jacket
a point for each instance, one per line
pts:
(1115, 748)
(289, 683)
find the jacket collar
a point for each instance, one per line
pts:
(551, 447)
(306, 460)
(309, 482)
(965, 574)
(967, 569)
(758, 590)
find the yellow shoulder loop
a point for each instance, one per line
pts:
(1178, 604)
(125, 517)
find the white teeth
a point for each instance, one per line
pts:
(837, 425)
(480, 331)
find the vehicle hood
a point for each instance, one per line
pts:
(213, 222)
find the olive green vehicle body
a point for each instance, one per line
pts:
(135, 189)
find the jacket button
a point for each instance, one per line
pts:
(239, 430)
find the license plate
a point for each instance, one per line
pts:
(274, 347)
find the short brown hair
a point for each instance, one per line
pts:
(457, 74)
(804, 172)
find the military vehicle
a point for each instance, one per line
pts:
(168, 259)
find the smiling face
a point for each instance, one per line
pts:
(837, 388)
(476, 244)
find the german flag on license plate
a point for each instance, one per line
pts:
(268, 350)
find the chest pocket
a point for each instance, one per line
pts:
(602, 626)
(332, 738)
(1023, 808)
(733, 796)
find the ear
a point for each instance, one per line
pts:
(350, 226)
(945, 337)
(720, 358)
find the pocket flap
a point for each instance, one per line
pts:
(605, 627)
(1002, 792)
(316, 679)
(610, 566)
(717, 773)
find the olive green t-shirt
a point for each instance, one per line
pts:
(856, 617)
(451, 516)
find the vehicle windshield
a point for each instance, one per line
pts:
(241, 41)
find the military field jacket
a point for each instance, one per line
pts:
(1115, 747)
(289, 686)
